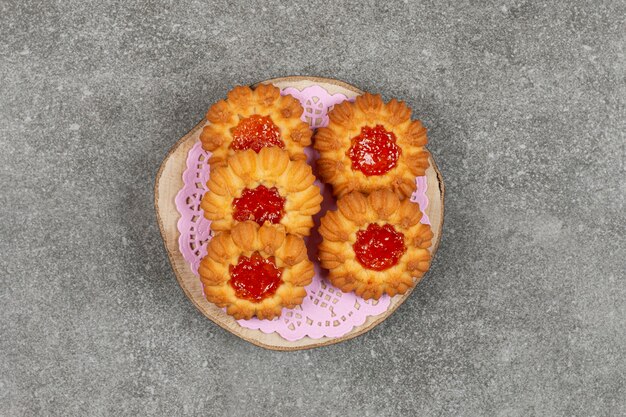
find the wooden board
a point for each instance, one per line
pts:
(169, 181)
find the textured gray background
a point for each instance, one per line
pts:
(523, 312)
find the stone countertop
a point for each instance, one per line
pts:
(523, 311)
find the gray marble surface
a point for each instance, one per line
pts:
(523, 312)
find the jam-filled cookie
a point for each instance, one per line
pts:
(375, 245)
(255, 119)
(264, 187)
(370, 145)
(255, 271)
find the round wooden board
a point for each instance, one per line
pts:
(169, 181)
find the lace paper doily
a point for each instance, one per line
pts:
(326, 311)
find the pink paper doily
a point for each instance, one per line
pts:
(326, 311)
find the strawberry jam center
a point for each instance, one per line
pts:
(260, 204)
(379, 247)
(255, 278)
(374, 151)
(256, 132)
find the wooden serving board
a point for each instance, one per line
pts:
(169, 181)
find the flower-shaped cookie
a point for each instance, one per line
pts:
(255, 271)
(371, 145)
(264, 187)
(374, 245)
(254, 119)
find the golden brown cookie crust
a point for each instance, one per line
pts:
(245, 238)
(243, 102)
(346, 120)
(271, 167)
(354, 212)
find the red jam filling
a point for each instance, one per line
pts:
(256, 132)
(255, 278)
(374, 151)
(379, 247)
(260, 204)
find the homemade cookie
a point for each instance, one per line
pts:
(264, 187)
(254, 119)
(255, 271)
(371, 145)
(375, 245)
